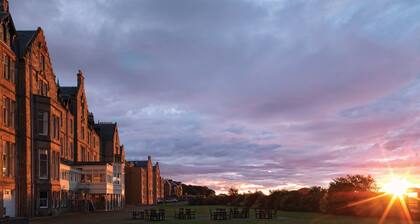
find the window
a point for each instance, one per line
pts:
(6, 65)
(6, 107)
(43, 88)
(42, 122)
(43, 199)
(96, 178)
(83, 154)
(8, 68)
(8, 159)
(43, 164)
(56, 127)
(9, 112)
(5, 160)
(64, 198)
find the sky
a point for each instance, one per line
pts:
(256, 95)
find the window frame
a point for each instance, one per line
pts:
(43, 152)
(43, 199)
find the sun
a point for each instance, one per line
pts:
(397, 186)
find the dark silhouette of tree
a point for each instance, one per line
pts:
(192, 190)
(353, 183)
(233, 192)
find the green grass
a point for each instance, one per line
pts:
(202, 212)
(282, 217)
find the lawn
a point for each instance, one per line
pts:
(203, 218)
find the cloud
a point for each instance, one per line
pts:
(248, 93)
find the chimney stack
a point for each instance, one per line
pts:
(80, 78)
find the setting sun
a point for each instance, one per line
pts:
(397, 186)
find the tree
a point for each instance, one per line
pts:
(193, 190)
(353, 183)
(233, 192)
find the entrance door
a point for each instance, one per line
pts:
(9, 202)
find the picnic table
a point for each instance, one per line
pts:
(264, 214)
(236, 213)
(149, 214)
(185, 214)
(219, 214)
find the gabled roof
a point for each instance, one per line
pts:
(6, 15)
(106, 130)
(68, 90)
(24, 39)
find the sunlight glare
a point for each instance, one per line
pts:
(397, 186)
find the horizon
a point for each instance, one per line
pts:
(256, 95)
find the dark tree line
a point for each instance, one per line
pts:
(192, 190)
(341, 197)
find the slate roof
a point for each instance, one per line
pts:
(106, 130)
(140, 163)
(68, 90)
(24, 39)
(4, 15)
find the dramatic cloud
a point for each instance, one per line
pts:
(254, 94)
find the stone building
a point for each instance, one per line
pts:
(143, 182)
(9, 177)
(172, 189)
(55, 157)
(157, 184)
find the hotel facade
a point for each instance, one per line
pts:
(144, 185)
(55, 157)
